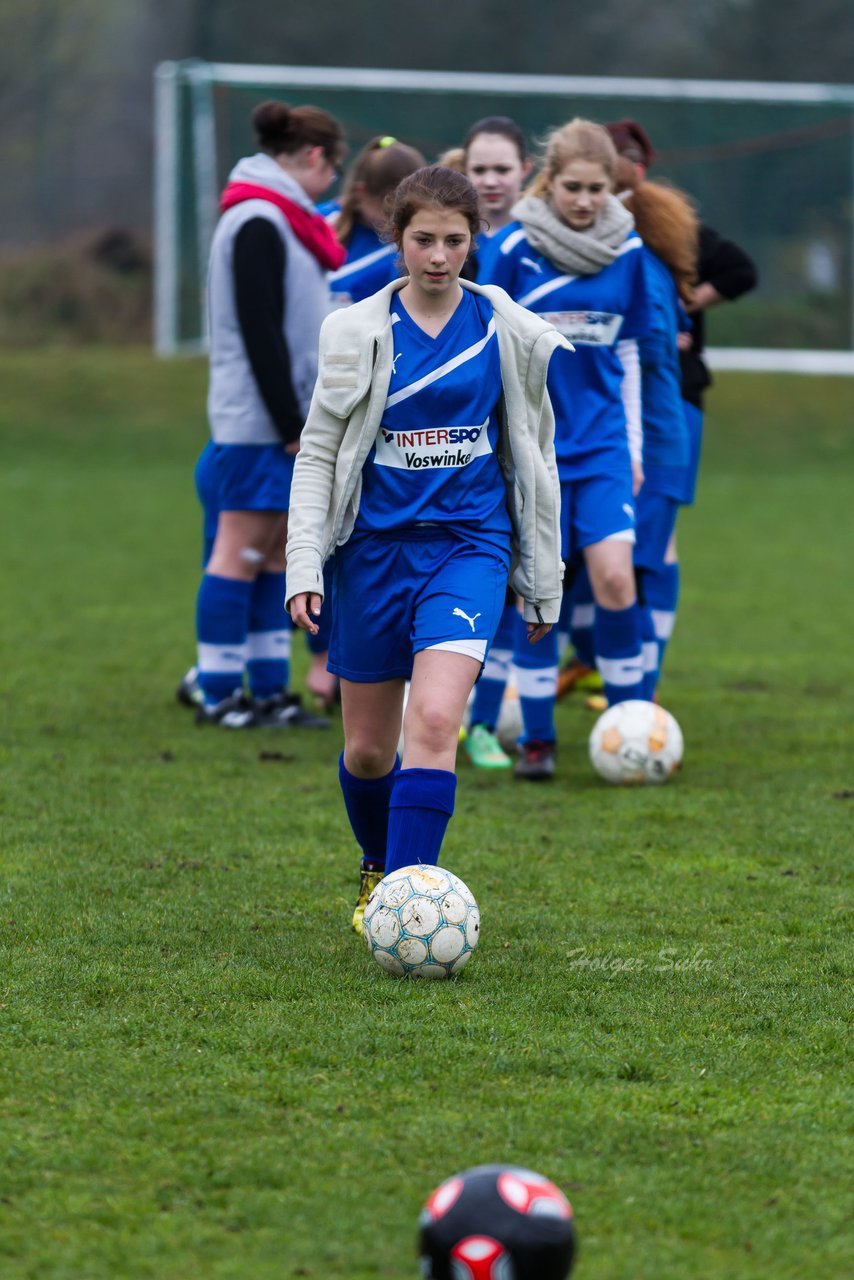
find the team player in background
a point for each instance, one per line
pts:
(267, 297)
(494, 157)
(360, 218)
(577, 263)
(723, 273)
(427, 464)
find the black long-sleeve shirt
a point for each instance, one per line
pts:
(259, 291)
(726, 267)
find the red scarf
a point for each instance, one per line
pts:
(311, 229)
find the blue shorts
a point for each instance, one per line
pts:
(656, 522)
(694, 422)
(206, 488)
(253, 477)
(595, 508)
(396, 595)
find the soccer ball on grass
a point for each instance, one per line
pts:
(497, 1222)
(422, 922)
(635, 742)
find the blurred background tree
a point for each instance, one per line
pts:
(76, 77)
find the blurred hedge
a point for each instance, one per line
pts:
(93, 288)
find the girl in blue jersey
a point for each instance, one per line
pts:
(427, 460)
(576, 262)
(360, 218)
(497, 164)
(494, 157)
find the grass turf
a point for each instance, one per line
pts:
(203, 1074)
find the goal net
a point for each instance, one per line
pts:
(771, 166)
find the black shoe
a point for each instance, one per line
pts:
(536, 761)
(285, 711)
(189, 692)
(233, 712)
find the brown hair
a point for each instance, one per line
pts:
(379, 167)
(434, 186)
(283, 130)
(666, 221)
(504, 127)
(578, 140)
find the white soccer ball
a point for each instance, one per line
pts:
(421, 921)
(634, 743)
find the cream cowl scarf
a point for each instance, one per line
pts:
(581, 253)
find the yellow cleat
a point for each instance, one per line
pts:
(596, 702)
(368, 881)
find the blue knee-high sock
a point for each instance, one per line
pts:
(366, 801)
(421, 805)
(536, 680)
(617, 635)
(489, 690)
(268, 644)
(222, 621)
(582, 615)
(661, 597)
(649, 645)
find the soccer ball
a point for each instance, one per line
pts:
(635, 742)
(497, 1222)
(421, 921)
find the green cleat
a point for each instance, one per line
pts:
(368, 881)
(484, 750)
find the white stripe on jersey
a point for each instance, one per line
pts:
(633, 242)
(542, 289)
(469, 354)
(512, 240)
(367, 261)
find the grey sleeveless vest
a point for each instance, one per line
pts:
(236, 411)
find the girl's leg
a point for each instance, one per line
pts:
(536, 678)
(481, 745)
(617, 623)
(366, 771)
(422, 799)
(243, 541)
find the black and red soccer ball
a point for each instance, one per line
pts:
(496, 1222)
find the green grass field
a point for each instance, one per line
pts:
(204, 1076)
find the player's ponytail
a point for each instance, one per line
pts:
(282, 130)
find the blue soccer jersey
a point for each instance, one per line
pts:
(666, 445)
(597, 313)
(487, 248)
(371, 263)
(434, 459)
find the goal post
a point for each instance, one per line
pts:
(770, 165)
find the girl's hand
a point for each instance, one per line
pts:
(637, 478)
(301, 608)
(537, 630)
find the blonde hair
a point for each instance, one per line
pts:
(577, 140)
(666, 221)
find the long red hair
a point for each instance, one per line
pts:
(666, 221)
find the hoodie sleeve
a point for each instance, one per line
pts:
(259, 291)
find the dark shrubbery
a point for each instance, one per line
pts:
(94, 288)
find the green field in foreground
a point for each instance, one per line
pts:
(204, 1076)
